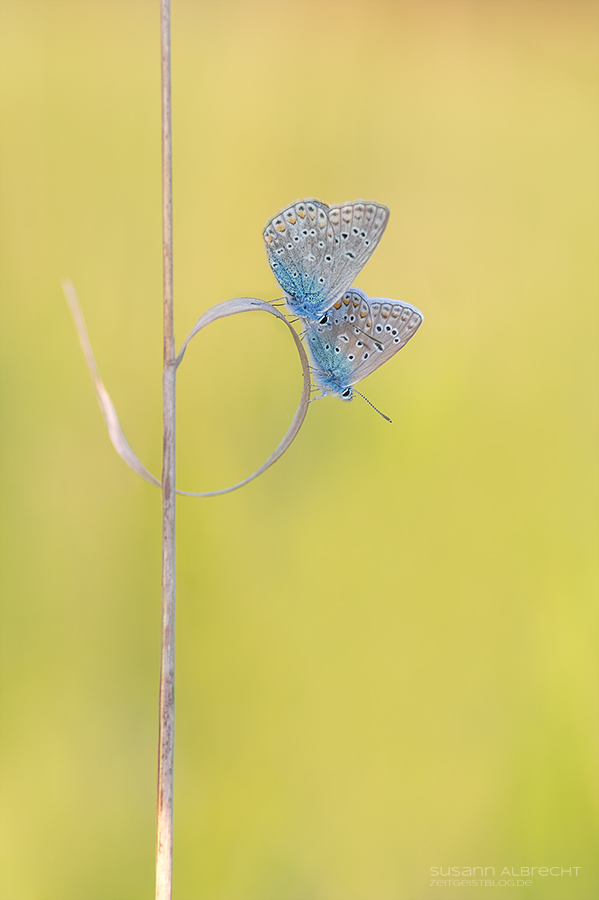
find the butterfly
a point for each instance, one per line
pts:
(356, 336)
(316, 251)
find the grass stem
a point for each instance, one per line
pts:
(166, 739)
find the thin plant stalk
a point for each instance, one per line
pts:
(164, 823)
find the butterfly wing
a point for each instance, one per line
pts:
(358, 228)
(387, 328)
(358, 336)
(316, 251)
(297, 240)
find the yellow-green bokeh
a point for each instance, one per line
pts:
(385, 647)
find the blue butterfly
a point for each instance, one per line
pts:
(356, 336)
(316, 251)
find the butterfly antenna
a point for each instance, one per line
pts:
(372, 404)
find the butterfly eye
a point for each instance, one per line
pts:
(346, 393)
(324, 320)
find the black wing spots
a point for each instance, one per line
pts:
(350, 254)
(378, 329)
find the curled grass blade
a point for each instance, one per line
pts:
(220, 311)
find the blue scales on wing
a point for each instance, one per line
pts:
(316, 251)
(356, 336)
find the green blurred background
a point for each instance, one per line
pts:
(385, 646)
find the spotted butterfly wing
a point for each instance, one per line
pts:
(316, 251)
(356, 336)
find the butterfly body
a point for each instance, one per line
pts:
(315, 251)
(356, 336)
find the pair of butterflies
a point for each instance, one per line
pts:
(315, 252)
